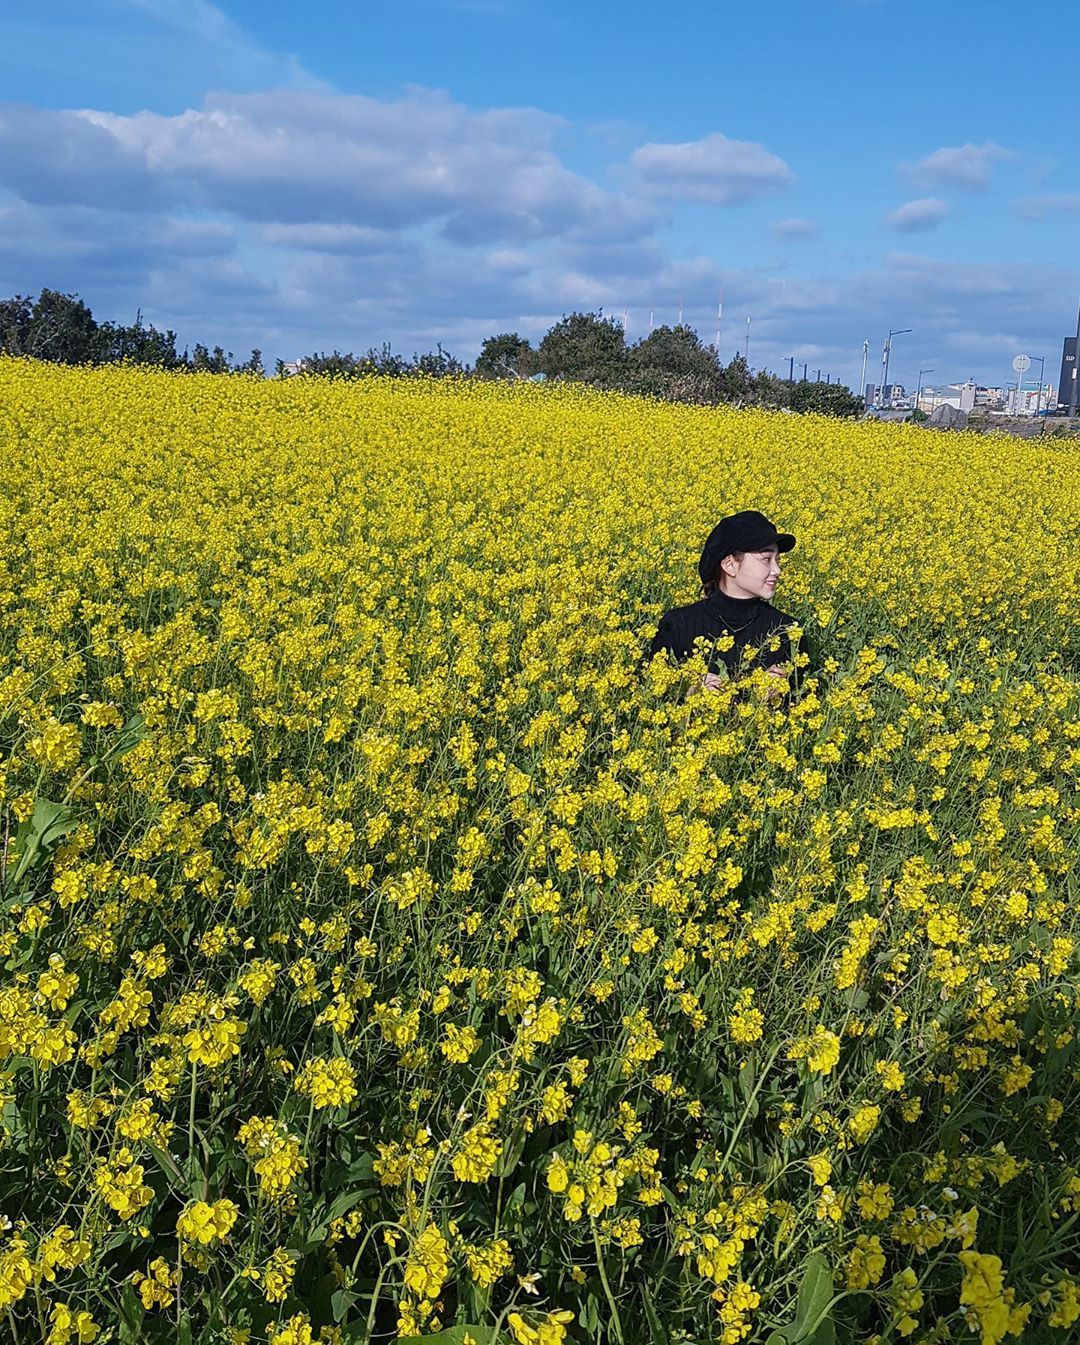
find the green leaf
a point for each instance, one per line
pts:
(657, 1334)
(132, 1313)
(46, 825)
(133, 733)
(824, 1335)
(815, 1295)
(340, 1303)
(512, 1151)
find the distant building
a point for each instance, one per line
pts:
(1068, 374)
(1024, 402)
(960, 396)
(889, 395)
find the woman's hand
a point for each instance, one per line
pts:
(713, 681)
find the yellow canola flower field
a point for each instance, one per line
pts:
(389, 947)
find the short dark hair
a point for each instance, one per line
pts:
(713, 582)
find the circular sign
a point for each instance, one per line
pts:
(1022, 364)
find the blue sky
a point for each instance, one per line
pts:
(439, 170)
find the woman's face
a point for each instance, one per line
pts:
(756, 574)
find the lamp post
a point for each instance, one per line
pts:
(862, 376)
(918, 392)
(897, 331)
(1038, 395)
(1075, 385)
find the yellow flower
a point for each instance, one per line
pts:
(549, 1330)
(820, 1167)
(277, 1275)
(205, 1223)
(428, 1263)
(891, 1075)
(70, 1327)
(477, 1154)
(296, 1331)
(328, 1082)
(120, 1183)
(866, 1262)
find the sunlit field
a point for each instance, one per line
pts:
(389, 948)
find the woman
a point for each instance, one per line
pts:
(740, 569)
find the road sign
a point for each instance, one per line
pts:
(1022, 364)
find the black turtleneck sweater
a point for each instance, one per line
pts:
(751, 621)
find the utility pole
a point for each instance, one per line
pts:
(791, 369)
(1075, 370)
(719, 316)
(1042, 375)
(862, 376)
(748, 342)
(898, 331)
(918, 390)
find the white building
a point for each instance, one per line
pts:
(960, 396)
(1030, 401)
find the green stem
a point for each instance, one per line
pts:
(615, 1319)
(746, 1110)
(191, 1125)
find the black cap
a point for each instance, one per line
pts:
(745, 531)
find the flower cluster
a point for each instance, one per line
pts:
(385, 937)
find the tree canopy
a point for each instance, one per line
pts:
(670, 363)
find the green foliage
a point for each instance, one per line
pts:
(586, 348)
(670, 364)
(505, 356)
(825, 399)
(812, 1324)
(384, 362)
(62, 329)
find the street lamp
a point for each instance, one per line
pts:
(898, 331)
(1038, 395)
(918, 392)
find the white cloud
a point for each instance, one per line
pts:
(918, 216)
(330, 237)
(970, 166)
(794, 229)
(305, 157)
(715, 170)
(226, 47)
(294, 289)
(1039, 207)
(304, 220)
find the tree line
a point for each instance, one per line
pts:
(670, 363)
(61, 328)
